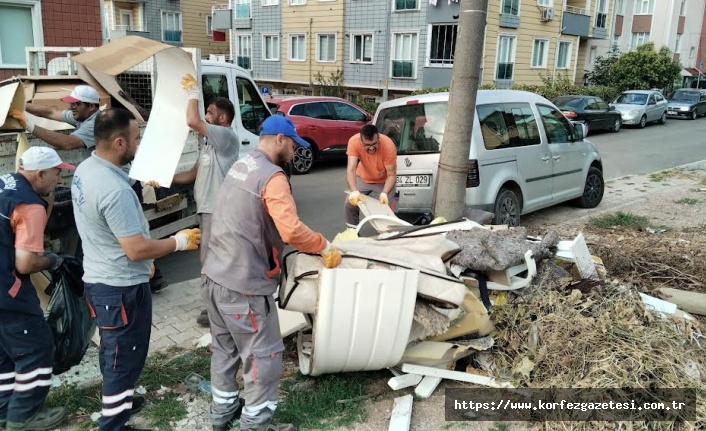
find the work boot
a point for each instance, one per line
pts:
(138, 403)
(234, 420)
(44, 419)
(158, 284)
(202, 320)
(271, 426)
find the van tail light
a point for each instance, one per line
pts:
(570, 114)
(473, 175)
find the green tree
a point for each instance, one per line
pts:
(331, 85)
(645, 68)
(601, 73)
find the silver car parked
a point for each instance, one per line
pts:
(639, 107)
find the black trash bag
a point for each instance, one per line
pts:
(68, 315)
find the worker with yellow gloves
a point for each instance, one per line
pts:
(255, 215)
(372, 169)
(118, 255)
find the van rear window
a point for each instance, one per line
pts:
(416, 128)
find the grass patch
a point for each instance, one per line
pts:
(619, 219)
(310, 402)
(662, 175)
(687, 201)
(161, 412)
(500, 426)
(84, 400)
(163, 369)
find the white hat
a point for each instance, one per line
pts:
(38, 158)
(82, 93)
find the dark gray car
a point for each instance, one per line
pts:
(687, 103)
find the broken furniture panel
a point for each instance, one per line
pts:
(475, 322)
(427, 386)
(509, 279)
(577, 251)
(401, 417)
(380, 216)
(455, 375)
(434, 353)
(363, 319)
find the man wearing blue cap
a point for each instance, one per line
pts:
(254, 217)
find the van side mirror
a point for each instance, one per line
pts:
(580, 131)
(652, 102)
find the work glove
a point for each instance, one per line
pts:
(354, 198)
(153, 184)
(332, 256)
(20, 116)
(189, 84)
(187, 239)
(152, 270)
(55, 261)
(383, 198)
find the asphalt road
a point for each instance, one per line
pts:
(319, 195)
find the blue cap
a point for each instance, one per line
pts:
(276, 124)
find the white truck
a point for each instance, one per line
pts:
(175, 208)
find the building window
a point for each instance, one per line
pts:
(511, 7)
(171, 27)
(326, 48)
(20, 27)
(297, 47)
(601, 14)
(406, 5)
(545, 3)
(270, 2)
(692, 51)
(242, 9)
(682, 8)
(404, 54)
(539, 53)
(506, 57)
(297, 2)
(443, 44)
(563, 55)
(209, 25)
(619, 7)
(677, 44)
(639, 39)
(362, 48)
(270, 47)
(644, 6)
(243, 51)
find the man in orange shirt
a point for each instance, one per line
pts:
(26, 341)
(372, 169)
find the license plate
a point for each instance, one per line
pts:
(671, 113)
(413, 180)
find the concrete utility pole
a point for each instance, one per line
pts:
(450, 189)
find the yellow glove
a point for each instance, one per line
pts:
(354, 198)
(189, 84)
(187, 239)
(332, 256)
(22, 118)
(154, 184)
(383, 198)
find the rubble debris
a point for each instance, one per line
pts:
(484, 250)
(475, 321)
(432, 353)
(577, 251)
(401, 417)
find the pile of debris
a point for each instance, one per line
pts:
(508, 310)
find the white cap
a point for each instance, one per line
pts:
(39, 158)
(82, 93)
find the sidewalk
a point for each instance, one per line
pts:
(174, 312)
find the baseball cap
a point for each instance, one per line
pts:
(82, 93)
(38, 158)
(276, 124)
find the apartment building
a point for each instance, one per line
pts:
(196, 21)
(159, 20)
(27, 23)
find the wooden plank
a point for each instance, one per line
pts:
(404, 381)
(455, 375)
(427, 386)
(401, 417)
(691, 302)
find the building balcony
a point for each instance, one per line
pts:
(128, 30)
(509, 20)
(576, 22)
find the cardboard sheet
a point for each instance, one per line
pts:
(12, 96)
(166, 132)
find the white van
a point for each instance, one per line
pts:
(525, 155)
